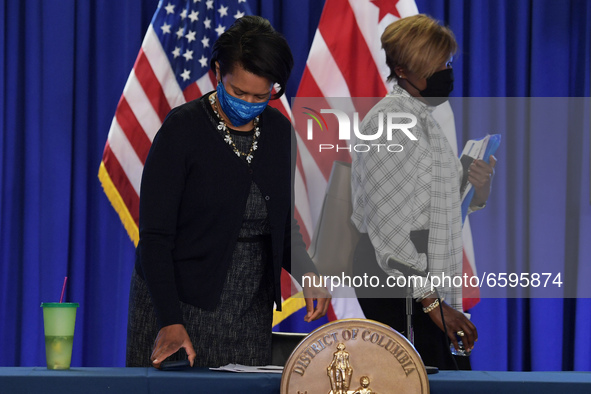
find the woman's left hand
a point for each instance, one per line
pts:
(480, 175)
(319, 294)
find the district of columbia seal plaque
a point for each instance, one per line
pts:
(354, 356)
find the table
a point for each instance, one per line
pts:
(27, 380)
(17, 380)
(483, 382)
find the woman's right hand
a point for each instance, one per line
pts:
(454, 321)
(169, 340)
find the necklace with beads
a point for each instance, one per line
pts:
(228, 137)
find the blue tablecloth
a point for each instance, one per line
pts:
(132, 380)
(16, 380)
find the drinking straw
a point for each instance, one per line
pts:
(63, 289)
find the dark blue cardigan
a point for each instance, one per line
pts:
(193, 194)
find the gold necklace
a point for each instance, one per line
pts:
(228, 137)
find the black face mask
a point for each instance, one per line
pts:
(439, 86)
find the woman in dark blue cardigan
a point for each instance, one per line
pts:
(216, 215)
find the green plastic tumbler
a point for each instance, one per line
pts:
(59, 320)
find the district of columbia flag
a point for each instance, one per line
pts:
(172, 67)
(346, 61)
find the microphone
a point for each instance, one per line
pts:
(405, 268)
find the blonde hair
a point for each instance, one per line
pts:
(418, 43)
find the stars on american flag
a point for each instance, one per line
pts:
(188, 55)
(205, 42)
(186, 75)
(169, 9)
(187, 30)
(194, 16)
(180, 32)
(190, 36)
(165, 28)
(223, 11)
(220, 30)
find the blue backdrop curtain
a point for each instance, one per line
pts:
(529, 49)
(62, 70)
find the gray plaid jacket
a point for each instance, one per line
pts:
(414, 189)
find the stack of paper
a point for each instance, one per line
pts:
(253, 369)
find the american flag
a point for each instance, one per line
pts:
(172, 67)
(346, 60)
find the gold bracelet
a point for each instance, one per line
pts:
(433, 305)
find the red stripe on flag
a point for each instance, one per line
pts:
(279, 106)
(354, 59)
(470, 295)
(151, 85)
(308, 86)
(212, 78)
(330, 313)
(121, 183)
(286, 290)
(324, 147)
(132, 129)
(303, 230)
(300, 168)
(192, 92)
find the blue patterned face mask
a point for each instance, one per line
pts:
(239, 112)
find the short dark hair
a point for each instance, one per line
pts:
(252, 43)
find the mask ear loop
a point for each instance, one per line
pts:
(408, 80)
(413, 85)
